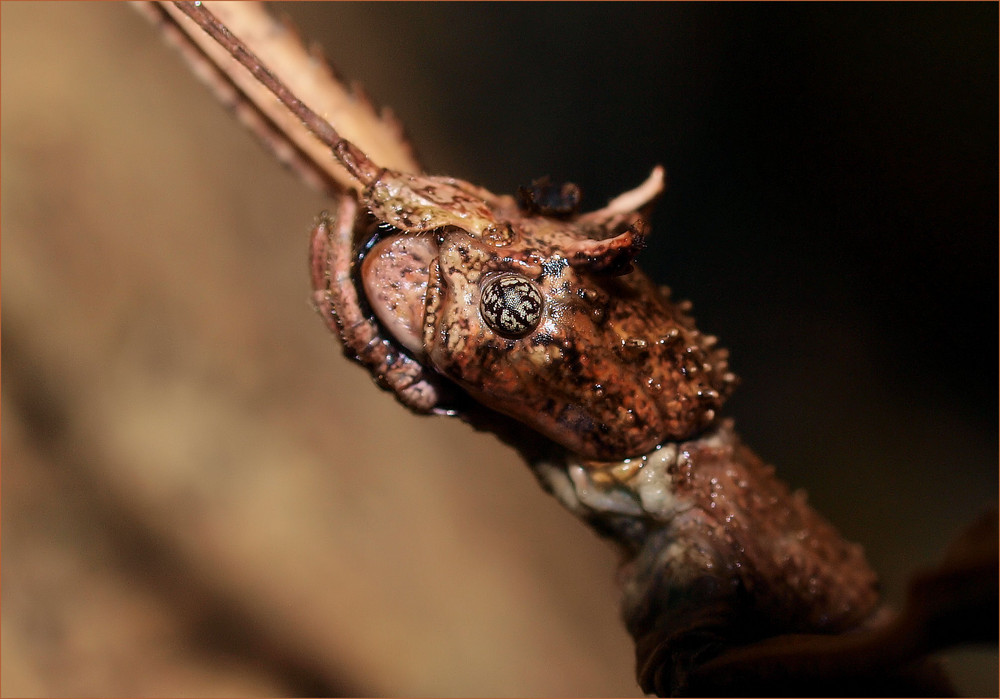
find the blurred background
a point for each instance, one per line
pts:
(201, 496)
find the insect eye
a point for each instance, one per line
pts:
(511, 305)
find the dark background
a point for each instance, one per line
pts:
(201, 496)
(833, 168)
(832, 208)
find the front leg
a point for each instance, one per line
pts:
(336, 299)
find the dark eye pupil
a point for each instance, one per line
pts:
(511, 305)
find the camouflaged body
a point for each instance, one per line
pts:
(709, 530)
(609, 366)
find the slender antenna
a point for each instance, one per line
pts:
(350, 156)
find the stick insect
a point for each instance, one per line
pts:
(528, 318)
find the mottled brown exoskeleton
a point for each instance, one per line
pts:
(542, 318)
(531, 318)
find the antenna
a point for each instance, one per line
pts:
(349, 155)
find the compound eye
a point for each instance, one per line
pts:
(511, 305)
